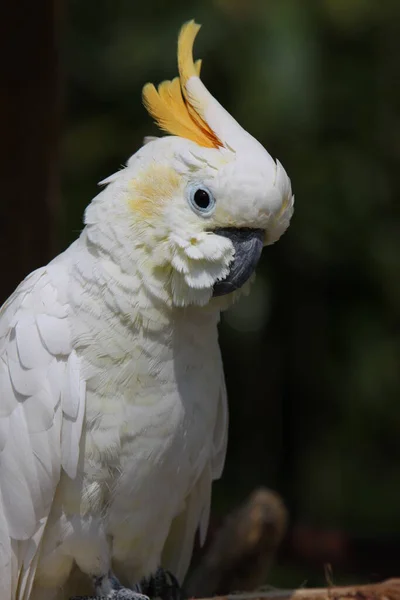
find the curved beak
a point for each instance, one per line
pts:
(248, 244)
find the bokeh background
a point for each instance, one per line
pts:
(312, 356)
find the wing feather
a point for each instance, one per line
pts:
(55, 334)
(27, 336)
(178, 549)
(220, 440)
(73, 416)
(42, 403)
(25, 382)
(196, 514)
(5, 556)
(19, 486)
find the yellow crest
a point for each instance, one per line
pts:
(171, 106)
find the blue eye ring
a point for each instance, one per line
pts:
(201, 200)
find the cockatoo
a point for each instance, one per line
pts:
(113, 410)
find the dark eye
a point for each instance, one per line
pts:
(201, 200)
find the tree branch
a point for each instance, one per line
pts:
(385, 590)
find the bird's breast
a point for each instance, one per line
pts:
(151, 414)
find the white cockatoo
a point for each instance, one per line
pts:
(113, 413)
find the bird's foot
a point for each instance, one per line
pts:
(108, 587)
(162, 584)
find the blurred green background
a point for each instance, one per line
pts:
(312, 356)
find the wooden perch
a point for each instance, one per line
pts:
(240, 553)
(386, 590)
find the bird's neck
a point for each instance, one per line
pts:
(131, 291)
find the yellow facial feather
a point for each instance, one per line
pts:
(171, 106)
(154, 186)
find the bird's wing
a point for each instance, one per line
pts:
(41, 411)
(220, 439)
(178, 549)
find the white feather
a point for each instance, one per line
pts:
(55, 334)
(29, 553)
(71, 393)
(32, 353)
(39, 410)
(34, 349)
(73, 403)
(205, 495)
(8, 400)
(18, 482)
(178, 548)
(25, 381)
(220, 437)
(5, 556)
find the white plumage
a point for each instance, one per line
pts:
(60, 332)
(113, 413)
(39, 398)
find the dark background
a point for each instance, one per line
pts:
(312, 356)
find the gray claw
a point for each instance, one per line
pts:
(122, 594)
(109, 588)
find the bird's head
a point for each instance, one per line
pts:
(201, 203)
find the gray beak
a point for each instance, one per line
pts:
(248, 244)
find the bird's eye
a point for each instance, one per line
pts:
(201, 200)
